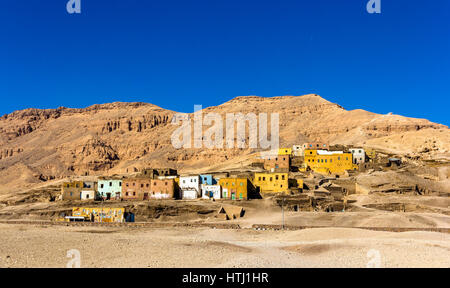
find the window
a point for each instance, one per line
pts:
(142, 185)
(120, 184)
(276, 177)
(126, 194)
(282, 177)
(134, 193)
(101, 186)
(259, 178)
(110, 184)
(271, 178)
(126, 185)
(264, 178)
(148, 185)
(165, 183)
(310, 152)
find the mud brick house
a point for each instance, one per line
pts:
(155, 173)
(110, 188)
(271, 182)
(136, 188)
(279, 163)
(72, 190)
(162, 189)
(235, 188)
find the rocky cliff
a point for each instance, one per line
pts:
(36, 145)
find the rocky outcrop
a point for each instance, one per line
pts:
(107, 138)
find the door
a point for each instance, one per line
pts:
(108, 196)
(233, 194)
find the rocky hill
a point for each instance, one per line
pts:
(40, 145)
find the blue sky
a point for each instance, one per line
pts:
(177, 53)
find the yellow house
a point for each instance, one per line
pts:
(329, 162)
(271, 182)
(285, 151)
(371, 154)
(100, 214)
(234, 188)
(72, 190)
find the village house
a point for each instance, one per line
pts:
(89, 191)
(155, 173)
(100, 214)
(234, 188)
(190, 187)
(316, 146)
(359, 155)
(297, 150)
(280, 163)
(136, 189)
(162, 188)
(110, 188)
(285, 151)
(329, 162)
(207, 179)
(72, 190)
(211, 191)
(271, 182)
(371, 154)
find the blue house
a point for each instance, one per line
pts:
(207, 179)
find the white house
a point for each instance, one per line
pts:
(88, 195)
(211, 191)
(297, 150)
(190, 187)
(359, 155)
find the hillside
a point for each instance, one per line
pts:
(39, 145)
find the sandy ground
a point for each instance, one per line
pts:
(47, 246)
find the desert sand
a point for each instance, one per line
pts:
(47, 246)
